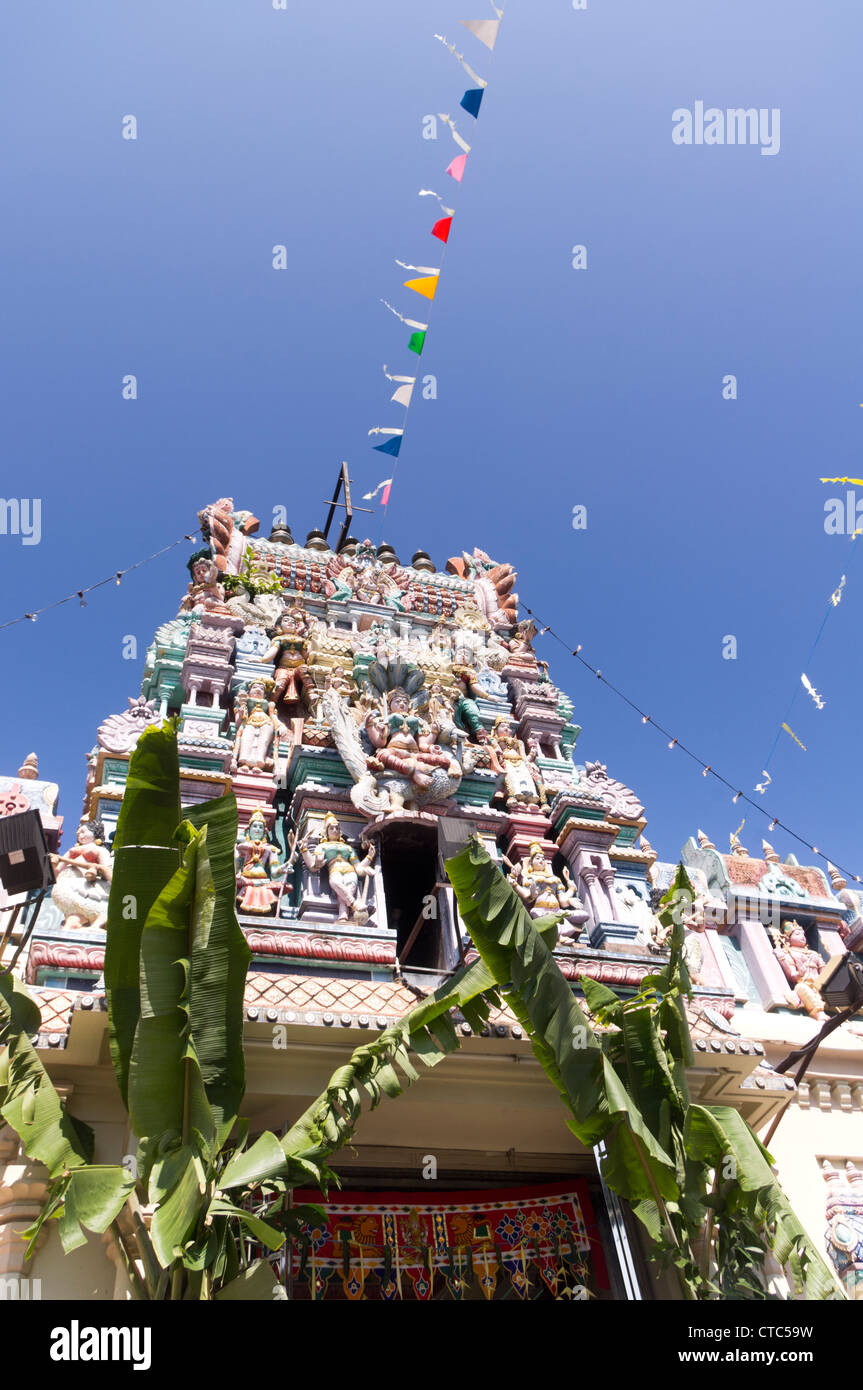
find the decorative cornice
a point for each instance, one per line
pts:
(340, 948)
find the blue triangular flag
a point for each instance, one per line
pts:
(471, 100)
(392, 446)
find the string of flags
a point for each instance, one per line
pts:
(115, 578)
(805, 682)
(425, 279)
(707, 769)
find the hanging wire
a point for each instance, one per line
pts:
(114, 578)
(707, 770)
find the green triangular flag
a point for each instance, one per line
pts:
(416, 341)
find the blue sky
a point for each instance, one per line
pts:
(556, 387)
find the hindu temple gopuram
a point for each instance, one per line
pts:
(371, 712)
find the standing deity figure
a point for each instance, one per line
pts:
(84, 881)
(511, 762)
(289, 650)
(205, 594)
(802, 968)
(256, 746)
(344, 869)
(466, 708)
(542, 892)
(405, 745)
(259, 867)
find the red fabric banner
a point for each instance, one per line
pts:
(406, 1245)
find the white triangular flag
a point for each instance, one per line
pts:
(421, 269)
(402, 395)
(483, 29)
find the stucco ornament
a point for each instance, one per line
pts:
(619, 799)
(120, 732)
(84, 879)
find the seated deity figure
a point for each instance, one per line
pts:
(289, 650)
(441, 717)
(256, 746)
(542, 892)
(522, 784)
(801, 967)
(84, 881)
(404, 743)
(205, 594)
(343, 866)
(257, 890)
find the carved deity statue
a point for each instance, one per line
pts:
(257, 890)
(256, 746)
(404, 743)
(542, 891)
(84, 879)
(396, 758)
(205, 594)
(466, 708)
(344, 869)
(801, 967)
(289, 650)
(522, 784)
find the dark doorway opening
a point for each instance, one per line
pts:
(409, 866)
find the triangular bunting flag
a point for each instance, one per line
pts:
(483, 29)
(383, 487)
(391, 446)
(471, 101)
(402, 394)
(441, 229)
(456, 169)
(426, 286)
(416, 343)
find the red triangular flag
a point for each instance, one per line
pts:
(441, 229)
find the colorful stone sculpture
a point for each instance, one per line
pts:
(522, 784)
(256, 745)
(802, 968)
(344, 869)
(289, 650)
(257, 889)
(542, 891)
(84, 879)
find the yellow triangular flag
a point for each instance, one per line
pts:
(426, 286)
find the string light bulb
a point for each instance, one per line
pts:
(773, 824)
(672, 743)
(736, 798)
(645, 719)
(705, 770)
(119, 577)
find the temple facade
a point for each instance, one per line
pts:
(369, 715)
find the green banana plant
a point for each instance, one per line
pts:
(175, 969)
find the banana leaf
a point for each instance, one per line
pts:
(257, 1282)
(218, 972)
(168, 1104)
(145, 857)
(28, 1099)
(522, 964)
(714, 1133)
(92, 1199)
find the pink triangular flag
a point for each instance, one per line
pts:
(456, 169)
(483, 29)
